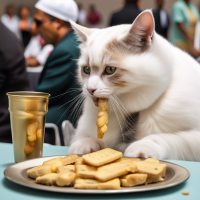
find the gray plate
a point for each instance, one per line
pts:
(16, 173)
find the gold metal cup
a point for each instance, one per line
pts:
(28, 115)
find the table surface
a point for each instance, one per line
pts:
(10, 190)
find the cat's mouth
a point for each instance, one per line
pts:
(95, 100)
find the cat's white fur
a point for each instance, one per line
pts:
(163, 84)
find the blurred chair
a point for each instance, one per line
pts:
(68, 131)
(52, 134)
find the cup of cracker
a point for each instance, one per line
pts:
(27, 115)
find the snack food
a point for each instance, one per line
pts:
(101, 157)
(39, 171)
(34, 133)
(104, 169)
(102, 115)
(95, 184)
(131, 180)
(114, 170)
(48, 179)
(65, 179)
(69, 159)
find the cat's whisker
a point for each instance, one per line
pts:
(75, 100)
(115, 111)
(70, 100)
(77, 108)
(68, 91)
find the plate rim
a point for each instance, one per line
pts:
(87, 191)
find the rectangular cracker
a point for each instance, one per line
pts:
(85, 171)
(134, 160)
(95, 184)
(48, 179)
(101, 157)
(69, 159)
(39, 171)
(68, 168)
(153, 170)
(131, 180)
(114, 170)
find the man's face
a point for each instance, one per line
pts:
(46, 28)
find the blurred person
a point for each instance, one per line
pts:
(59, 73)
(82, 16)
(161, 17)
(127, 14)
(94, 18)
(36, 52)
(25, 24)
(11, 21)
(184, 18)
(13, 77)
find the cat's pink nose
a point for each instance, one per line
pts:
(91, 91)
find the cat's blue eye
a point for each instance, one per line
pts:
(110, 70)
(86, 70)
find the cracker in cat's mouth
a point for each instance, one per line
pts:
(95, 101)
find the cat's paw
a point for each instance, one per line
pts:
(146, 149)
(86, 145)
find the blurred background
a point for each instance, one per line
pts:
(105, 7)
(40, 55)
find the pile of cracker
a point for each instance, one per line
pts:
(104, 169)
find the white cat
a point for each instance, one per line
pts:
(138, 71)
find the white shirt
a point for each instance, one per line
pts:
(82, 17)
(12, 24)
(35, 49)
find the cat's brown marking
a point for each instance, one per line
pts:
(116, 80)
(95, 68)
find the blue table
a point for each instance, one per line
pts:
(12, 191)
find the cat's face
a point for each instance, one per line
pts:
(118, 59)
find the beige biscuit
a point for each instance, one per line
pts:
(68, 168)
(103, 105)
(54, 163)
(131, 180)
(101, 157)
(79, 161)
(134, 160)
(39, 134)
(39, 171)
(114, 170)
(95, 184)
(69, 159)
(153, 179)
(153, 160)
(32, 130)
(150, 168)
(28, 149)
(48, 179)
(65, 179)
(85, 171)
(101, 121)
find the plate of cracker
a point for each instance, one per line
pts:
(104, 171)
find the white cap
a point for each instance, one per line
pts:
(62, 9)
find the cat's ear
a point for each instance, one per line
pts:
(82, 32)
(142, 30)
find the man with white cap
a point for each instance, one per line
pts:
(52, 18)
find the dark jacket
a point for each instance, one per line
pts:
(58, 76)
(125, 16)
(13, 76)
(163, 31)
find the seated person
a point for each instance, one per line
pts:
(36, 53)
(13, 77)
(59, 73)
